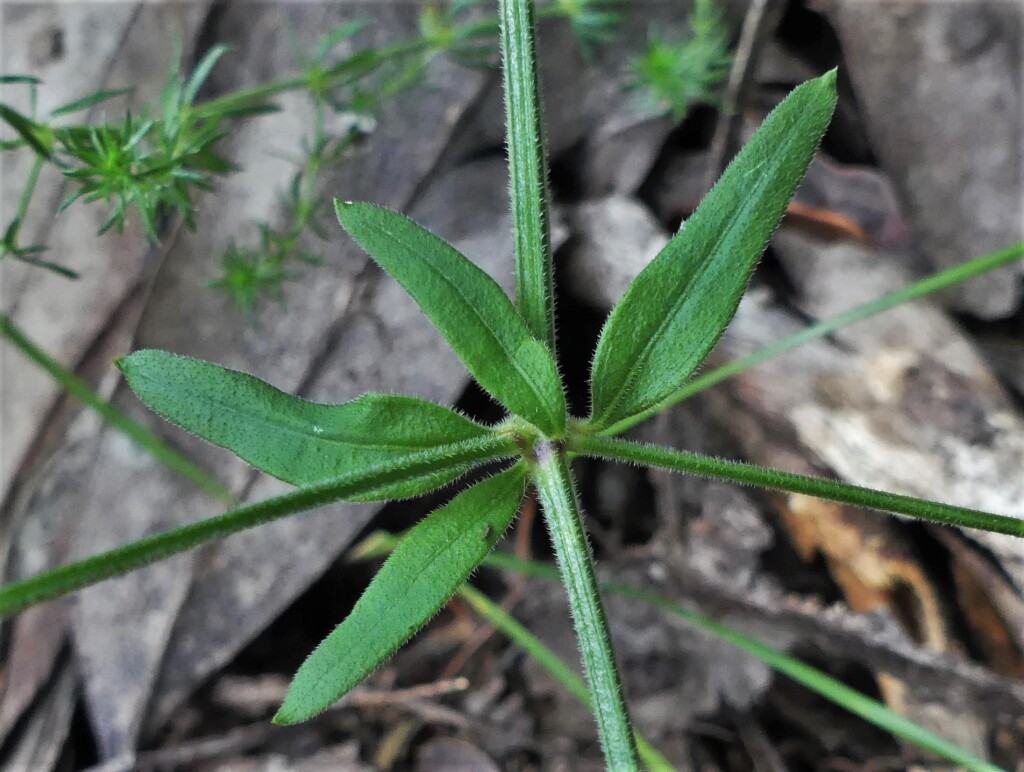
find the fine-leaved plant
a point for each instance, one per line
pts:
(154, 162)
(380, 447)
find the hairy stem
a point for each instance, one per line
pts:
(527, 170)
(553, 480)
(74, 576)
(550, 661)
(833, 490)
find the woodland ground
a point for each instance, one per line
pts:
(184, 663)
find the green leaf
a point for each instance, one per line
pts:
(421, 576)
(295, 440)
(38, 136)
(89, 101)
(469, 308)
(201, 73)
(676, 309)
(12, 79)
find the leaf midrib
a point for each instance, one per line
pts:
(542, 401)
(683, 297)
(445, 547)
(289, 424)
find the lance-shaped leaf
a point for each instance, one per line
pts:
(421, 575)
(469, 308)
(295, 440)
(676, 309)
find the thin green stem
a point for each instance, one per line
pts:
(74, 576)
(365, 61)
(547, 659)
(259, 94)
(935, 283)
(527, 170)
(828, 687)
(30, 186)
(750, 474)
(142, 436)
(553, 480)
(9, 245)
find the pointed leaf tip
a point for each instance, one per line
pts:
(470, 310)
(295, 440)
(421, 575)
(677, 308)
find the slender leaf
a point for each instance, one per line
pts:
(833, 490)
(201, 73)
(470, 310)
(11, 79)
(79, 389)
(934, 283)
(39, 137)
(677, 308)
(421, 576)
(295, 440)
(353, 485)
(27, 255)
(89, 101)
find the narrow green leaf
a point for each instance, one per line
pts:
(27, 255)
(381, 543)
(421, 576)
(201, 73)
(295, 440)
(27, 79)
(469, 308)
(39, 137)
(763, 477)
(89, 101)
(676, 309)
(934, 283)
(352, 485)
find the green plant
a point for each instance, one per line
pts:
(817, 681)
(671, 75)
(155, 162)
(379, 447)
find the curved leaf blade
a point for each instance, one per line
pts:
(677, 308)
(421, 575)
(293, 439)
(469, 308)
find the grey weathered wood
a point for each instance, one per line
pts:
(940, 87)
(101, 46)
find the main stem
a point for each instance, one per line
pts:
(527, 170)
(553, 480)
